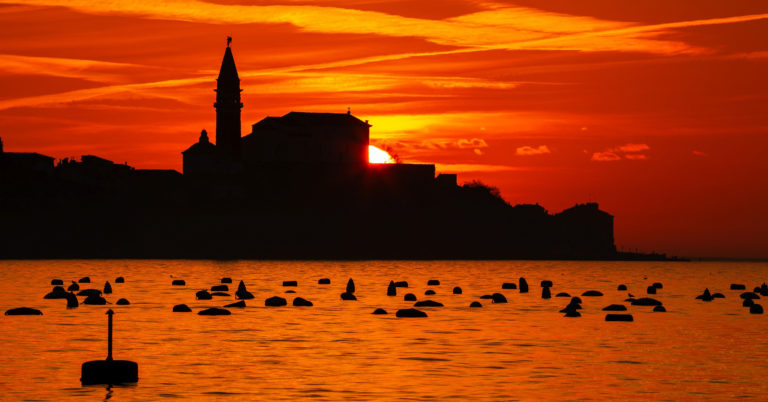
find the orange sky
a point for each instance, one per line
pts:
(656, 109)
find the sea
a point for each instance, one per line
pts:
(524, 349)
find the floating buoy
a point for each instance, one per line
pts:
(457, 290)
(109, 371)
(324, 281)
(433, 282)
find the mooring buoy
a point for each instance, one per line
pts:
(109, 371)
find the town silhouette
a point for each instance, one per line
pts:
(297, 186)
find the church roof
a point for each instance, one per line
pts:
(201, 147)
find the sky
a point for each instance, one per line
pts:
(655, 109)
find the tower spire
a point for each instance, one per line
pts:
(228, 105)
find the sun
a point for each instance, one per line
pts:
(378, 155)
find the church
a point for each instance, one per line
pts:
(299, 145)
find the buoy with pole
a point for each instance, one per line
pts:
(109, 371)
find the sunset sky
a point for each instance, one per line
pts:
(656, 109)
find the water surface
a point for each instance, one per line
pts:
(524, 349)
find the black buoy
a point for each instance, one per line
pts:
(545, 293)
(433, 282)
(391, 289)
(181, 308)
(219, 288)
(242, 293)
(23, 311)
(563, 294)
(324, 281)
(546, 284)
(508, 285)
(622, 287)
(57, 282)
(275, 301)
(74, 287)
(109, 371)
(302, 302)
(410, 312)
(651, 290)
(290, 283)
(350, 286)
(738, 286)
(72, 301)
(84, 279)
(178, 282)
(119, 279)
(409, 297)
(238, 304)
(475, 304)
(226, 280)
(123, 302)
(214, 311)
(348, 296)
(592, 293)
(619, 317)
(523, 285)
(498, 298)
(401, 284)
(107, 288)
(429, 292)
(457, 290)
(379, 311)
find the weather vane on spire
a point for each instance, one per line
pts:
(229, 40)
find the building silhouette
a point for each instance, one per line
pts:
(297, 186)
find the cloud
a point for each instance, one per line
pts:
(528, 150)
(471, 143)
(633, 148)
(500, 27)
(699, 153)
(607, 156)
(628, 151)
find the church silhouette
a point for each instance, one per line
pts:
(298, 147)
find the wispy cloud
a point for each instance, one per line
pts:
(527, 150)
(628, 151)
(499, 27)
(606, 156)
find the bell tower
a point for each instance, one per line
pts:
(228, 106)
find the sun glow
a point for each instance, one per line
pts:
(378, 155)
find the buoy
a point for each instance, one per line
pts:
(545, 294)
(498, 298)
(523, 285)
(109, 371)
(119, 279)
(651, 290)
(181, 308)
(243, 293)
(226, 280)
(84, 279)
(348, 296)
(107, 288)
(350, 286)
(622, 287)
(429, 292)
(546, 284)
(508, 285)
(214, 311)
(592, 293)
(275, 301)
(290, 283)
(475, 304)
(219, 288)
(23, 311)
(410, 312)
(401, 284)
(563, 294)
(324, 281)
(302, 302)
(391, 289)
(238, 304)
(457, 290)
(74, 287)
(178, 282)
(379, 311)
(433, 282)
(619, 317)
(57, 282)
(123, 302)
(409, 297)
